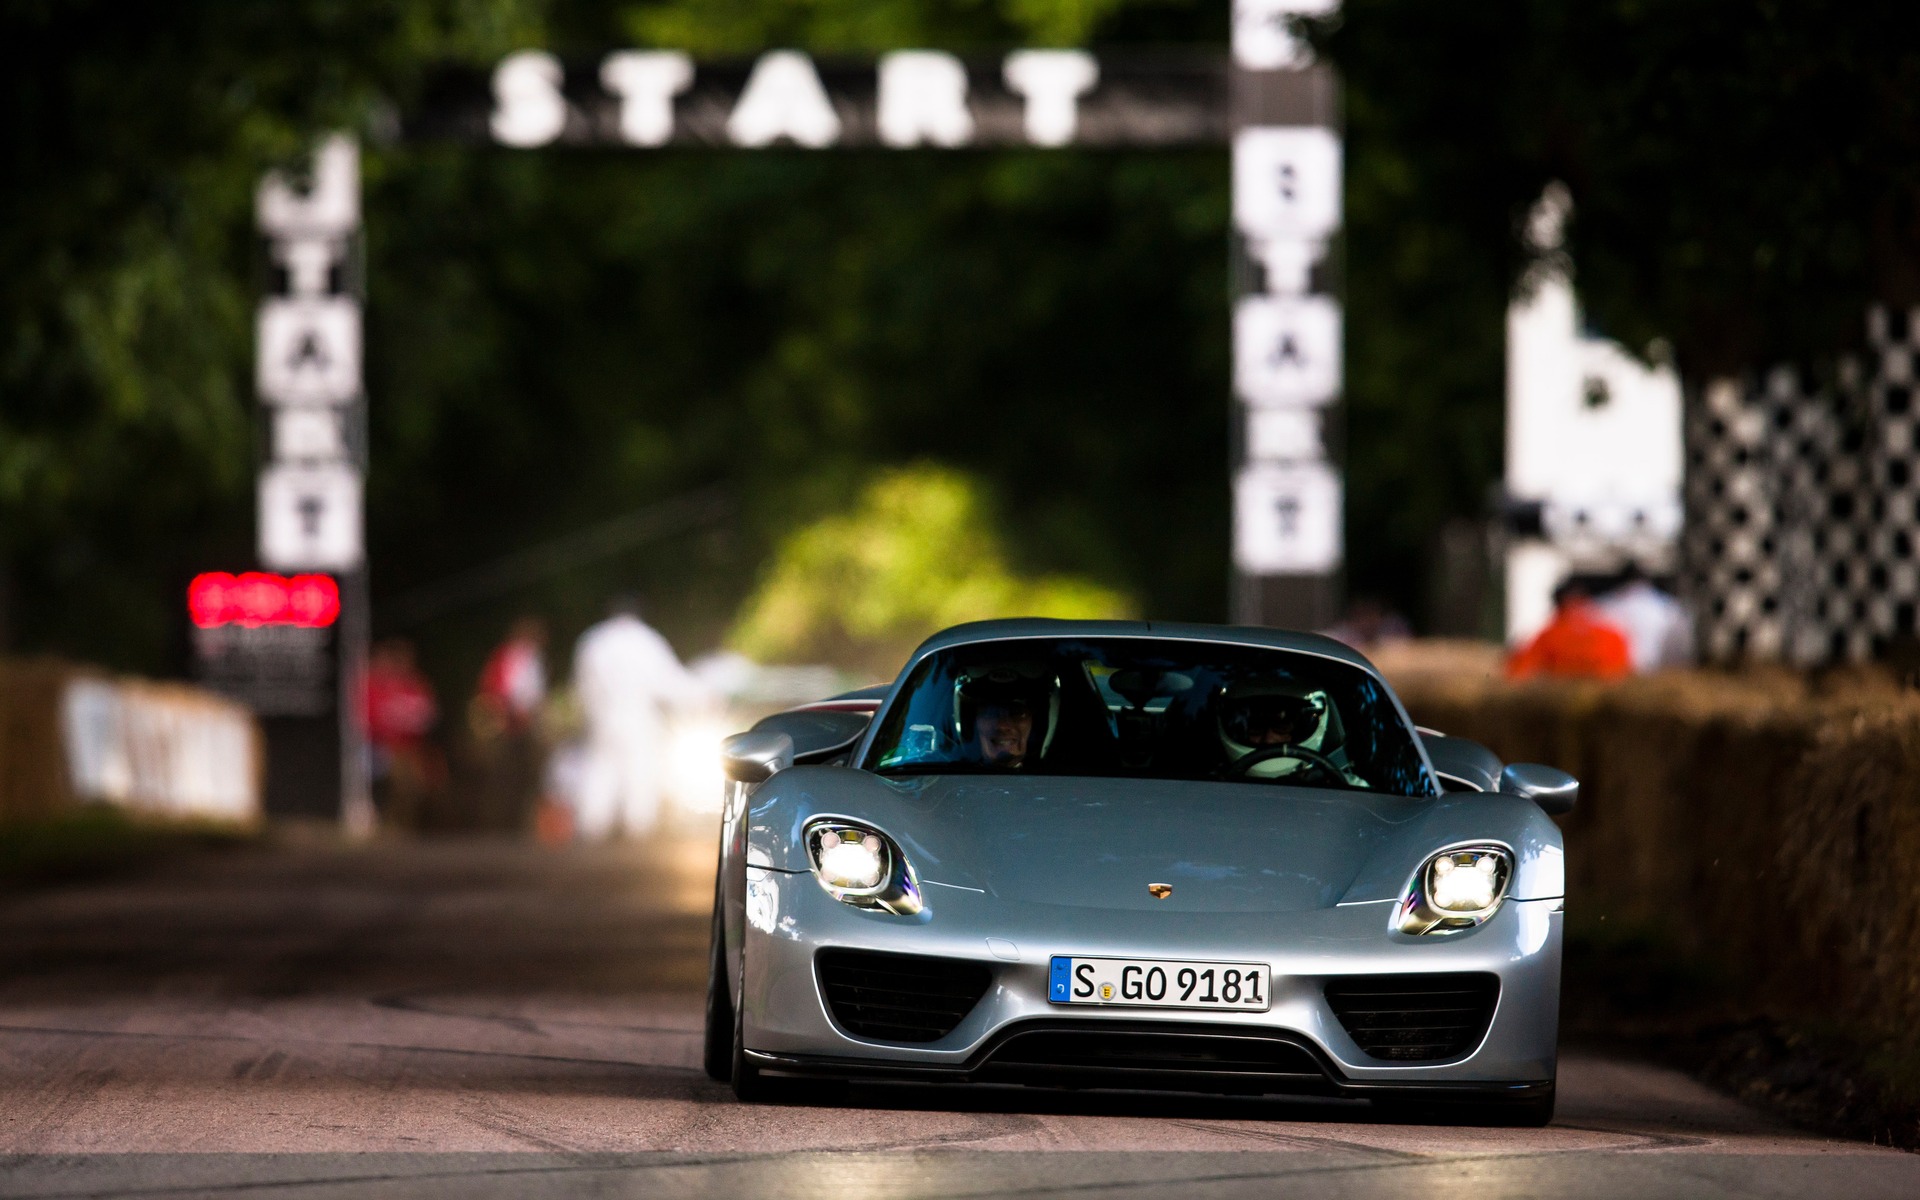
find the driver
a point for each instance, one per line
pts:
(1279, 714)
(997, 716)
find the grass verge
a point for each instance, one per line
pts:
(98, 841)
(1635, 991)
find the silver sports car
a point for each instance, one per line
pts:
(1138, 855)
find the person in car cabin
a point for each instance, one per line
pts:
(1280, 715)
(999, 720)
(1002, 730)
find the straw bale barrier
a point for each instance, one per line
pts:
(33, 767)
(1763, 820)
(73, 735)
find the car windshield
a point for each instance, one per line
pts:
(1149, 708)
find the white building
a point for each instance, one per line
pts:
(1593, 439)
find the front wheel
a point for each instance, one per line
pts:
(718, 1054)
(749, 1085)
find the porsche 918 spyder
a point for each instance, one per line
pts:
(1138, 855)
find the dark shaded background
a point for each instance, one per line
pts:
(559, 337)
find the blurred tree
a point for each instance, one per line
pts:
(920, 550)
(555, 338)
(558, 337)
(854, 26)
(133, 139)
(1744, 177)
(563, 335)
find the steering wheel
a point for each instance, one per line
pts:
(1238, 768)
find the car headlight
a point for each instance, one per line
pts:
(861, 866)
(1456, 889)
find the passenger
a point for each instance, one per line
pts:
(1002, 730)
(998, 714)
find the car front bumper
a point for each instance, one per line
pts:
(787, 1024)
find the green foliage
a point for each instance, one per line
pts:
(96, 840)
(554, 338)
(134, 137)
(1744, 179)
(919, 551)
(558, 337)
(864, 26)
(1746, 176)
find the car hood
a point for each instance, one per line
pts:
(1223, 847)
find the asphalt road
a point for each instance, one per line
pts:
(475, 1019)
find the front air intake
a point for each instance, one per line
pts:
(1154, 1055)
(899, 997)
(1415, 1018)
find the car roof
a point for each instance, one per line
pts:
(864, 699)
(1236, 635)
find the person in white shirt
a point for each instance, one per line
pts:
(627, 678)
(1659, 631)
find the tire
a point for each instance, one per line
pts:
(720, 1023)
(749, 1085)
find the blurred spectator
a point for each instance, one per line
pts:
(554, 822)
(398, 707)
(626, 676)
(1659, 631)
(1370, 623)
(506, 738)
(1577, 643)
(514, 681)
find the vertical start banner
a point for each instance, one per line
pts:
(313, 466)
(1287, 344)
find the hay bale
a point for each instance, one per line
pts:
(33, 767)
(71, 735)
(1763, 820)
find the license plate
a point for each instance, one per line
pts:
(1159, 983)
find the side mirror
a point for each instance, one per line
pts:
(754, 757)
(816, 734)
(1552, 789)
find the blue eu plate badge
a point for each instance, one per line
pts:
(1058, 975)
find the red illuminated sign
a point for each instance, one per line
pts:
(257, 598)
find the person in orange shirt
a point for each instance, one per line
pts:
(1577, 643)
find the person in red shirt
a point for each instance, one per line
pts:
(514, 682)
(398, 707)
(1577, 643)
(505, 719)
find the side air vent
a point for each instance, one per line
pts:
(1143, 1055)
(1415, 1018)
(899, 997)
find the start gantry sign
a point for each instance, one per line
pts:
(1268, 101)
(906, 99)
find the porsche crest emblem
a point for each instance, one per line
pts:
(1160, 891)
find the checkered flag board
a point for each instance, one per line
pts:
(1803, 507)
